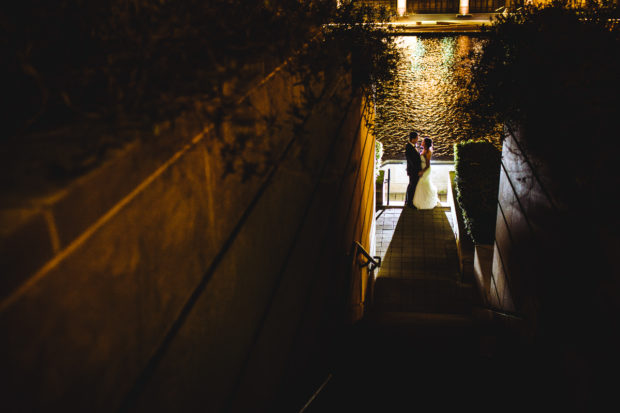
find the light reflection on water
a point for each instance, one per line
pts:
(429, 82)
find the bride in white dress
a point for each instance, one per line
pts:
(425, 196)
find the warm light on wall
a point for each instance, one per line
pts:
(401, 7)
(464, 7)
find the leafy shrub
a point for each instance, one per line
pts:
(145, 61)
(477, 170)
(83, 77)
(378, 156)
(380, 176)
(551, 72)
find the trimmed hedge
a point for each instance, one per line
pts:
(380, 176)
(550, 73)
(477, 168)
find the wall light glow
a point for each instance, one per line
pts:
(464, 7)
(401, 7)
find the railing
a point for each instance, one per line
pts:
(496, 312)
(316, 393)
(388, 187)
(381, 194)
(371, 262)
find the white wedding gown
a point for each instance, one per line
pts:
(425, 196)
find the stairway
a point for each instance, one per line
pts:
(405, 362)
(422, 346)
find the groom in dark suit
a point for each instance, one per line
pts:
(414, 165)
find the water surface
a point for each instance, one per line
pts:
(430, 81)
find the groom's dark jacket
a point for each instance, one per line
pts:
(414, 164)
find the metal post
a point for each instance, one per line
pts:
(388, 191)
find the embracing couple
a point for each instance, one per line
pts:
(421, 193)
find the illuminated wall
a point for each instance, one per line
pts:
(173, 286)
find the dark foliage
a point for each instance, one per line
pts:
(351, 43)
(552, 72)
(81, 78)
(144, 61)
(477, 167)
(135, 60)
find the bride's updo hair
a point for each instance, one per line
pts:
(428, 143)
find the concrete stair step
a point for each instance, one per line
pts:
(400, 319)
(400, 361)
(422, 296)
(394, 334)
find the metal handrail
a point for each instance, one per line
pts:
(503, 313)
(388, 187)
(372, 262)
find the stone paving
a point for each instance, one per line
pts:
(386, 224)
(419, 271)
(418, 347)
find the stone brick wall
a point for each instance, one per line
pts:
(160, 283)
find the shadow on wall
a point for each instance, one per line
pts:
(557, 263)
(194, 288)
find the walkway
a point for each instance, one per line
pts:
(419, 348)
(442, 23)
(420, 271)
(387, 220)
